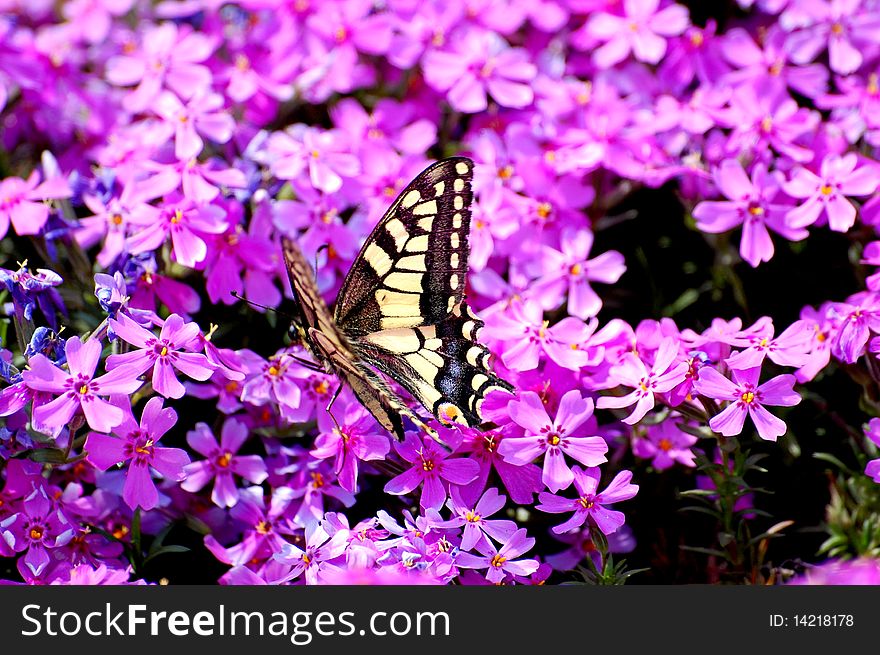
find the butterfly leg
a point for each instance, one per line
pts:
(330, 404)
(307, 364)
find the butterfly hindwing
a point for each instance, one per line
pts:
(441, 365)
(412, 268)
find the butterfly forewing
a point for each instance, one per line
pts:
(401, 308)
(412, 268)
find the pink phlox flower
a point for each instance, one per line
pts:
(665, 373)
(856, 321)
(665, 445)
(640, 31)
(171, 350)
(746, 397)
(825, 193)
(480, 64)
(569, 271)
(590, 503)
(500, 562)
(788, 349)
(318, 555)
(137, 444)
(202, 115)
(38, 528)
(322, 155)
(222, 462)
(22, 202)
(78, 388)
(169, 56)
(357, 439)
(553, 438)
(185, 224)
(474, 519)
(753, 203)
(430, 468)
(844, 27)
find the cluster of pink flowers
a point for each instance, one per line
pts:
(156, 153)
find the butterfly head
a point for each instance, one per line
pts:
(297, 333)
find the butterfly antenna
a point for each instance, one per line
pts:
(235, 294)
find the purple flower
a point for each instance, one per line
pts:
(788, 349)
(169, 56)
(500, 562)
(752, 203)
(481, 64)
(665, 444)
(640, 30)
(430, 468)
(357, 439)
(571, 271)
(200, 115)
(136, 443)
(747, 398)
(475, 519)
(321, 154)
(315, 559)
(22, 202)
(872, 431)
(844, 27)
(590, 504)
(222, 462)
(664, 375)
(182, 222)
(553, 438)
(169, 352)
(37, 528)
(79, 388)
(826, 193)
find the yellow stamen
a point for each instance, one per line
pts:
(224, 460)
(498, 561)
(748, 397)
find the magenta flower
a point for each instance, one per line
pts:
(500, 562)
(321, 154)
(222, 462)
(664, 445)
(872, 431)
(528, 336)
(201, 115)
(169, 56)
(481, 64)
(22, 202)
(857, 320)
(93, 19)
(137, 444)
(590, 505)
(315, 559)
(553, 438)
(788, 349)
(170, 351)
(640, 30)
(358, 439)
(826, 193)
(474, 518)
(570, 271)
(747, 398)
(430, 468)
(751, 203)
(37, 528)
(844, 27)
(665, 374)
(182, 222)
(78, 387)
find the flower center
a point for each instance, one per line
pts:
(505, 172)
(177, 217)
(665, 445)
(36, 533)
(427, 465)
(577, 269)
(553, 439)
(83, 389)
(837, 28)
(826, 189)
(544, 210)
(317, 480)
(264, 527)
(586, 502)
(498, 561)
(224, 460)
(748, 397)
(145, 449)
(472, 517)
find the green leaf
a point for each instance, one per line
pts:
(165, 550)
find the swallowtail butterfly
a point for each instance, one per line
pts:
(401, 309)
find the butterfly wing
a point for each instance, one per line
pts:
(310, 310)
(441, 365)
(412, 268)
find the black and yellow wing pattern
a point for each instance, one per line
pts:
(401, 308)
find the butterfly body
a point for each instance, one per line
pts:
(401, 308)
